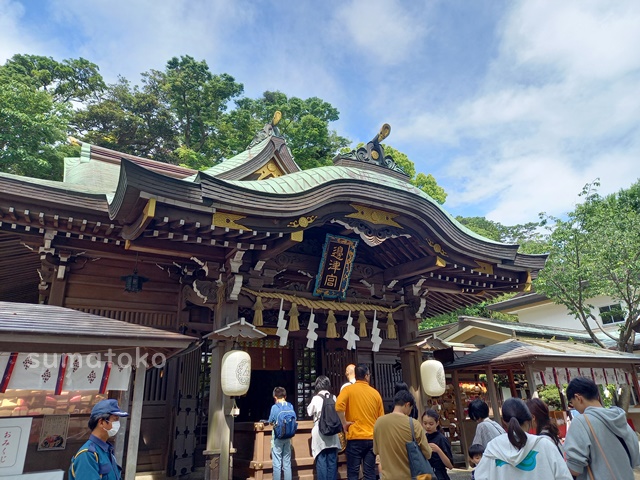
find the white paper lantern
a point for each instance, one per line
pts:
(432, 376)
(236, 373)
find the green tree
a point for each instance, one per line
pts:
(596, 251)
(529, 236)
(130, 120)
(32, 127)
(74, 79)
(478, 310)
(427, 183)
(198, 100)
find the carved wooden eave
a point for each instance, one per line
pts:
(269, 155)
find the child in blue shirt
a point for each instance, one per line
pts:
(280, 447)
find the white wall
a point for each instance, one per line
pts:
(550, 314)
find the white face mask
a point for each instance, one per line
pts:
(115, 426)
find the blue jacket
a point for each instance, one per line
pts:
(95, 461)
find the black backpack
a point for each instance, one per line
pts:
(329, 423)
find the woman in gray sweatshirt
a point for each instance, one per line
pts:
(487, 429)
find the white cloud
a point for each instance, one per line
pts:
(557, 109)
(384, 30)
(13, 38)
(127, 38)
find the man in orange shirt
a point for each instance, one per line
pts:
(358, 407)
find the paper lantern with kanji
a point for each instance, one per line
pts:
(432, 376)
(236, 373)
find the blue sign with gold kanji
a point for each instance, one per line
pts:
(338, 256)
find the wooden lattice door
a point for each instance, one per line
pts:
(335, 358)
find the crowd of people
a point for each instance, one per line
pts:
(599, 445)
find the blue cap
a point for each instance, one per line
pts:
(110, 406)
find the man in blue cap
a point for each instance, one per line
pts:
(96, 460)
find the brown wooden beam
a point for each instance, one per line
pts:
(412, 269)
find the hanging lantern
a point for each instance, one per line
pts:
(432, 378)
(294, 325)
(236, 373)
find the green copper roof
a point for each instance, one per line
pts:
(63, 186)
(304, 180)
(235, 161)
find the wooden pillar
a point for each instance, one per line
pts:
(634, 379)
(123, 401)
(58, 286)
(491, 386)
(220, 424)
(135, 420)
(512, 384)
(220, 427)
(410, 360)
(461, 417)
(533, 391)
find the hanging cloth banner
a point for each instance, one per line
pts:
(549, 379)
(598, 376)
(58, 372)
(561, 374)
(35, 371)
(338, 257)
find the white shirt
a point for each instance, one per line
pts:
(318, 441)
(350, 382)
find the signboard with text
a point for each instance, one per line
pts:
(338, 257)
(14, 439)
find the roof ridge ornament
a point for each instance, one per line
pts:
(269, 130)
(373, 152)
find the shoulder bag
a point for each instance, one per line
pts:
(600, 448)
(419, 466)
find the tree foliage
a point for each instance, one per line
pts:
(73, 79)
(427, 183)
(529, 236)
(478, 310)
(596, 251)
(131, 120)
(32, 126)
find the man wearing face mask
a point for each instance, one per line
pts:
(96, 460)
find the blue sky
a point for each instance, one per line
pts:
(512, 106)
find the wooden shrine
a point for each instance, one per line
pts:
(334, 265)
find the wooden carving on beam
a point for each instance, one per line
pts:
(437, 248)
(370, 235)
(229, 220)
(200, 292)
(373, 215)
(302, 222)
(483, 267)
(269, 170)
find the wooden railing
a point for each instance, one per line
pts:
(252, 457)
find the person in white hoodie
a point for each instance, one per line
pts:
(517, 454)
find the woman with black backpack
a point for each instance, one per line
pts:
(324, 448)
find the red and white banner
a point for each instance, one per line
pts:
(58, 372)
(561, 374)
